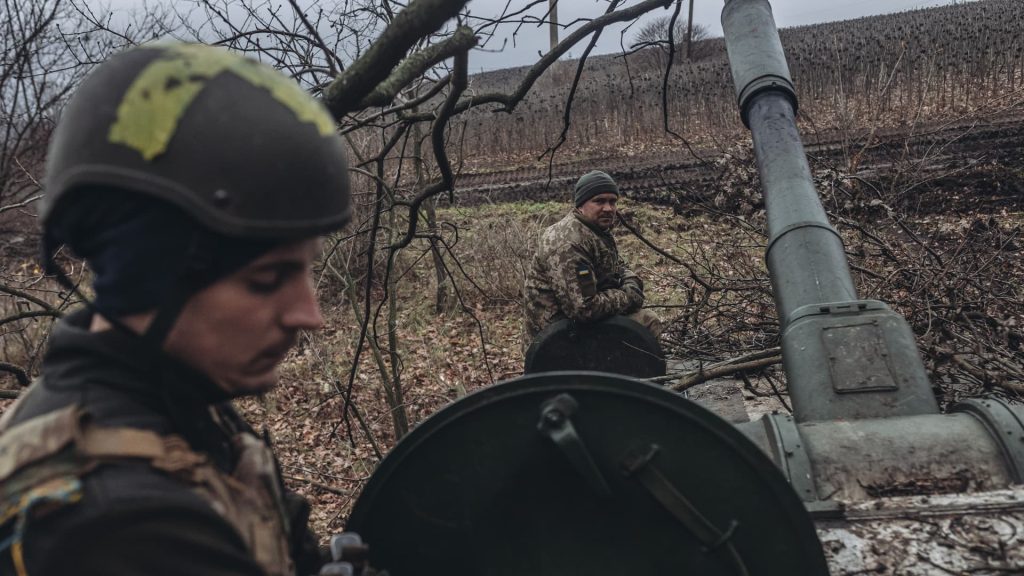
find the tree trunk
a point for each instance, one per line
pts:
(442, 301)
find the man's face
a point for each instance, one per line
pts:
(600, 210)
(237, 330)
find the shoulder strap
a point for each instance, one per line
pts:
(105, 443)
(170, 454)
(37, 438)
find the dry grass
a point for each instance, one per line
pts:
(443, 356)
(328, 452)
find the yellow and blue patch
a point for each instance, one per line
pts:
(49, 495)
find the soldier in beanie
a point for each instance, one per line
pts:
(577, 272)
(195, 183)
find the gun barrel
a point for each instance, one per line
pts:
(844, 358)
(805, 254)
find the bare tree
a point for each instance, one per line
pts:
(395, 80)
(46, 48)
(654, 37)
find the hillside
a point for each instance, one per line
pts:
(854, 77)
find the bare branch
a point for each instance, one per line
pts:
(510, 101)
(25, 295)
(459, 83)
(418, 63)
(420, 18)
(729, 368)
(19, 374)
(30, 314)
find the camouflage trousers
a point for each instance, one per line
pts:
(649, 320)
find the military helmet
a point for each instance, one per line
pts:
(239, 147)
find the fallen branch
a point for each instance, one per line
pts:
(702, 376)
(19, 374)
(29, 297)
(752, 361)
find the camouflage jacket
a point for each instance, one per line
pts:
(118, 508)
(577, 274)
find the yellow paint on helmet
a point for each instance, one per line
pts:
(150, 110)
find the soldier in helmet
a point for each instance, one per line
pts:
(577, 272)
(195, 183)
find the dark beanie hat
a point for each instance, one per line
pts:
(141, 250)
(593, 183)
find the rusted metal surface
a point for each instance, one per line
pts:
(862, 459)
(980, 533)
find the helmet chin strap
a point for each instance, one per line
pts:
(195, 275)
(167, 313)
(187, 406)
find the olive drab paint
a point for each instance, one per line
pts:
(232, 142)
(148, 115)
(866, 428)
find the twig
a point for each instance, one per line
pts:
(333, 62)
(664, 88)
(21, 204)
(693, 273)
(571, 97)
(778, 394)
(320, 485)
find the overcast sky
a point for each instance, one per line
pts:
(707, 12)
(522, 49)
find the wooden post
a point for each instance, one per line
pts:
(553, 16)
(689, 32)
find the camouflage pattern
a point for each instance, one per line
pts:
(649, 320)
(577, 274)
(44, 462)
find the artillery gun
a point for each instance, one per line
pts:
(584, 472)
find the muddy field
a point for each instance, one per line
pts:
(966, 165)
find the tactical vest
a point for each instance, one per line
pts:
(44, 460)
